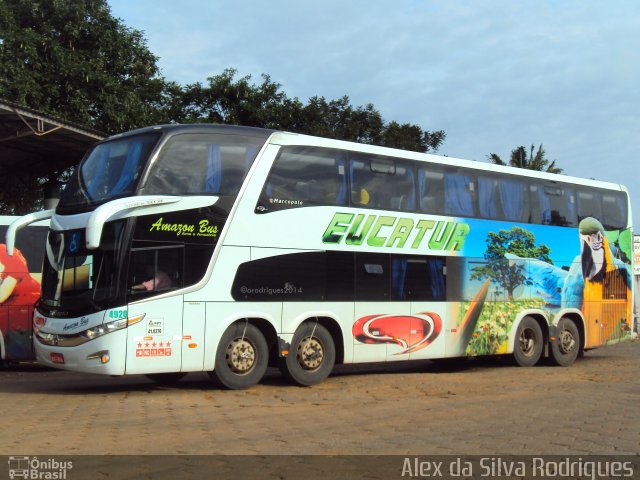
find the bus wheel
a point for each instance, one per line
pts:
(241, 359)
(529, 343)
(565, 347)
(165, 378)
(311, 357)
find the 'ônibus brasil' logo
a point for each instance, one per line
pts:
(387, 231)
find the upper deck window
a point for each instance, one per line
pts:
(382, 183)
(308, 176)
(589, 204)
(459, 193)
(305, 177)
(614, 205)
(202, 164)
(556, 204)
(446, 190)
(502, 198)
(111, 170)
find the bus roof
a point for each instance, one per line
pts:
(199, 128)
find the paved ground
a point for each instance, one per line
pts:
(487, 407)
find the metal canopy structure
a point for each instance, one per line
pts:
(31, 141)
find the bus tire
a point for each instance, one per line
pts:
(242, 356)
(529, 343)
(311, 357)
(566, 345)
(166, 378)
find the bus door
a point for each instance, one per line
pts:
(154, 344)
(421, 280)
(427, 334)
(378, 331)
(381, 324)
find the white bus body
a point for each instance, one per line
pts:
(302, 252)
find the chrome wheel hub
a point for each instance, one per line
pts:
(310, 353)
(241, 356)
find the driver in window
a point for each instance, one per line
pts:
(159, 281)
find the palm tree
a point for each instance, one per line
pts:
(520, 159)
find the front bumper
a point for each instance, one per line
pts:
(79, 358)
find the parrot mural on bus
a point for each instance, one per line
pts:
(596, 274)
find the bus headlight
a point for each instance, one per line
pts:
(73, 340)
(105, 328)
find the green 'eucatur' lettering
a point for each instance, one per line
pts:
(395, 232)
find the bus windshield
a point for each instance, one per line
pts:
(186, 164)
(111, 170)
(74, 277)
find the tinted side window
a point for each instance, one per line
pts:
(563, 205)
(589, 204)
(614, 206)
(514, 199)
(554, 204)
(155, 268)
(431, 189)
(502, 198)
(373, 277)
(418, 278)
(488, 200)
(206, 164)
(291, 277)
(340, 276)
(303, 177)
(382, 183)
(459, 193)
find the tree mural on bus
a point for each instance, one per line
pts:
(596, 281)
(503, 271)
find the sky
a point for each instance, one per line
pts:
(493, 74)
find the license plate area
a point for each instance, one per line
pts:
(56, 357)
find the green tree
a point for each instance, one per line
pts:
(520, 159)
(340, 120)
(411, 137)
(73, 59)
(506, 273)
(231, 100)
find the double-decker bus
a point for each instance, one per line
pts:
(19, 290)
(227, 249)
